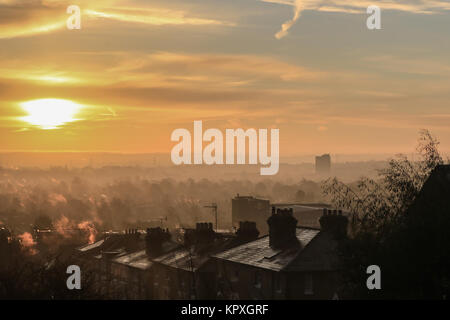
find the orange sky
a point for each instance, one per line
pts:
(140, 69)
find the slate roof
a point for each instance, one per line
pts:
(137, 259)
(182, 259)
(321, 254)
(259, 254)
(91, 246)
(114, 245)
(140, 259)
(194, 258)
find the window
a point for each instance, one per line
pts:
(309, 285)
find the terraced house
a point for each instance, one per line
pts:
(291, 262)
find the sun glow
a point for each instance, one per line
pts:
(50, 113)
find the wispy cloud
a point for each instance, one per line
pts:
(32, 17)
(357, 7)
(29, 17)
(162, 71)
(152, 16)
(298, 6)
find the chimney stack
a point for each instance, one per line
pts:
(201, 235)
(334, 222)
(282, 228)
(247, 231)
(154, 240)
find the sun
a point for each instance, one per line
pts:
(50, 114)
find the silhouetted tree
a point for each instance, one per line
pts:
(382, 233)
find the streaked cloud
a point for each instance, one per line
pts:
(298, 7)
(156, 17)
(32, 17)
(168, 69)
(29, 17)
(357, 7)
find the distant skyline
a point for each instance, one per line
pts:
(99, 159)
(137, 70)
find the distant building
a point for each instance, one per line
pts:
(308, 214)
(247, 208)
(290, 263)
(323, 164)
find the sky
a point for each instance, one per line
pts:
(137, 70)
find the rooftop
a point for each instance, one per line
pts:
(259, 254)
(194, 258)
(434, 197)
(114, 244)
(137, 259)
(140, 259)
(91, 246)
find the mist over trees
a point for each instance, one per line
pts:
(119, 198)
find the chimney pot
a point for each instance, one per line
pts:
(282, 229)
(334, 222)
(247, 231)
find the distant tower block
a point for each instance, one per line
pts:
(323, 164)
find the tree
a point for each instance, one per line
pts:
(381, 232)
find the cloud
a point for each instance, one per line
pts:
(29, 17)
(298, 6)
(158, 69)
(414, 66)
(357, 7)
(156, 17)
(33, 17)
